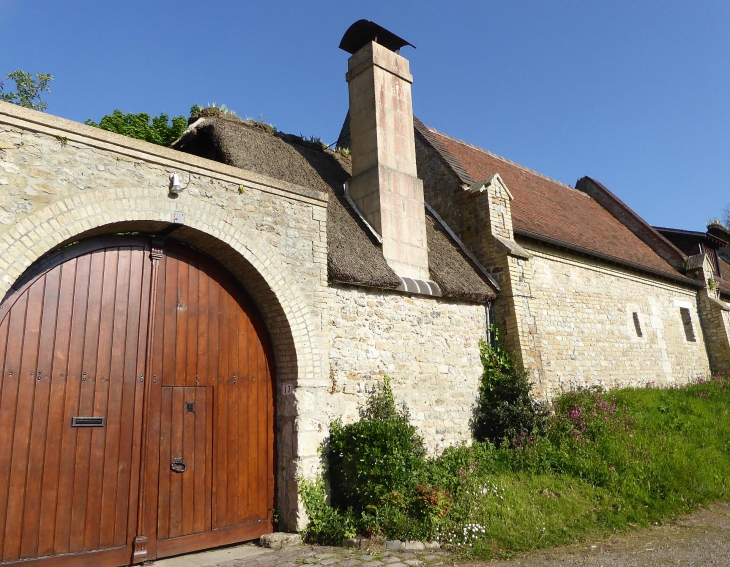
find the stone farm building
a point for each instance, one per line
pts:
(171, 360)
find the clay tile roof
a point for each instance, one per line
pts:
(547, 209)
(353, 254)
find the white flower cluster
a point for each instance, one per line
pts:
(495, 490)
(466, 536)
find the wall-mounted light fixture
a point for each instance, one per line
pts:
(175, 186)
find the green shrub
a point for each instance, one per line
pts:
(375, 456)
(160, 130)
(602, 462)
(327, 525)
(506, 410)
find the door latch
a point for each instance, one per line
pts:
(178, 465)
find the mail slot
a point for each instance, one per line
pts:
(87, 421)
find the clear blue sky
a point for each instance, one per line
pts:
(635, 94)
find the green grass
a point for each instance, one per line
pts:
(604, 462)
(607, 462)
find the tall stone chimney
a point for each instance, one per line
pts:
(384, 185)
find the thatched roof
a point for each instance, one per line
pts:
(450, 268)
(354, 255)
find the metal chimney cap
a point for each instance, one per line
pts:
(363, 32)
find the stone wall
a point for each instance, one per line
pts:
(429, 347)
(61, 181)
(583, 325)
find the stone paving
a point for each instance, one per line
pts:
(330, 556)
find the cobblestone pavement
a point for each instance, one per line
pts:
(701, 539)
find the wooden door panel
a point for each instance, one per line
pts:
(186, 439)
(212, 336)
(62, 482)
(73, 342)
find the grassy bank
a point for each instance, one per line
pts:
(605, 461)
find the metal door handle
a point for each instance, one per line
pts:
(178, 465)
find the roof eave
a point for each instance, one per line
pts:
(561, 244)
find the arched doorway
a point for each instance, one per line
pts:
(136, 407)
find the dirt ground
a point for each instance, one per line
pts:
(699, 539)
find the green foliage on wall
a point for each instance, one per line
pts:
(159, 130)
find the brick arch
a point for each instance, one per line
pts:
(259, 266)
(46, 229)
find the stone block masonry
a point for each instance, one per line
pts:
(583, 326)
(384, 184)
(429, 347)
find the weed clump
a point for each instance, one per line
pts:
(506, 409)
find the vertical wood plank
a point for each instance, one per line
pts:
(169, 322)
(84, 436)
(151, 406)
(23, 416)
(199, 523)
(6, 385)
(102, 377)
(235, 384)
(257, 406)
(202, 362)
(192, 311)
(221, 477)
(163, 522)
(67, 465)
(247, 420)
(209, 480)
(262, 422)
(59, 373)
(8, 407)
(113, 460)
(131, 417)
(183, 317)
(39, 418)
(176, 443)
(213, 379)
(187, 478)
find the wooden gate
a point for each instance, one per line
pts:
(136, 410)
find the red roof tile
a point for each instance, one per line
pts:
(545, 207)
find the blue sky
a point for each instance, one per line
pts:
(635, 94)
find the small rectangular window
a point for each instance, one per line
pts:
(637, 325)
(689, 332)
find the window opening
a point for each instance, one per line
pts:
(689, 331)
(637, 325)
